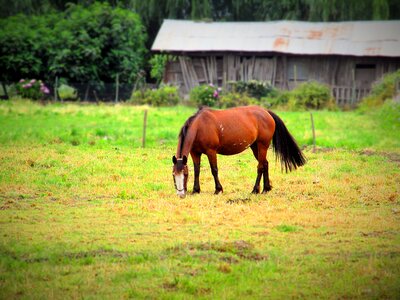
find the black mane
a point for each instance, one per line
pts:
(185, 127)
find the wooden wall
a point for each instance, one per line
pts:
(282, 71)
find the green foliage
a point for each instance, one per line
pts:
(206, 94)
(234, 99)
(24, 44)
(381, 91)
(254, 88)
(165, 95)
(67, 92)
(83, 44)
(310, 95)
(97, 43)
(280, 99)
(158, 63)
(32, 89)
(154, 12)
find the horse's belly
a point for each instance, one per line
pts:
(233, 148)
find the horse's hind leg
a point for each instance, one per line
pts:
(256, 188)
(260, 152)
(267, 185)
(212, 158)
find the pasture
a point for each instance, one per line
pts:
(85, 212)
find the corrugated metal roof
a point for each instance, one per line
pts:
(359, 38)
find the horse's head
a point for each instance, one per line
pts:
(180, 173)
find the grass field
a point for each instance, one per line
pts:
(85, 212)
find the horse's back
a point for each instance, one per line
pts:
(233, 130)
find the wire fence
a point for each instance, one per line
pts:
(82, 91)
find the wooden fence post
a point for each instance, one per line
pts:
(117, 88)
(55, 90)
(313, 131)
(144, 129)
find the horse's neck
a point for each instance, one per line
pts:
(187, 142)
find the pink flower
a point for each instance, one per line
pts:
(22, 80)
(33, 81)
(45, 90)
(215, 94)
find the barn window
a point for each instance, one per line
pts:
(365, 74)
(297, 71)
(365, 66)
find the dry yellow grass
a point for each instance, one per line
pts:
(330, 229)
(84, 214)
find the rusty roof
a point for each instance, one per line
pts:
(358, 38)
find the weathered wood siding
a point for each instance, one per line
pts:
(349, 77)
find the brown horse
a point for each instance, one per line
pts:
(229, 132)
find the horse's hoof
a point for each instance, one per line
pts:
(217, 192)
(255, 191)
(267, 189)
(196, 192)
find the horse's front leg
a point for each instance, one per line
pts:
(196, 164)
(212, 158)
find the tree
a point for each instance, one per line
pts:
(83, 44)
(23, 44)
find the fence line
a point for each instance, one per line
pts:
(347, 95)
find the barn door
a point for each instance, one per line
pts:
(365, 75)
(189, 75)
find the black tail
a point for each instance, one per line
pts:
(285, 147)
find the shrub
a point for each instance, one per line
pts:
(236, 99)
(310, 95)
(381, 91)
(165, 95)
(158, 63)
(32, 89)
(279, 99)
(67, 92)
(205, 95)
(253, 88)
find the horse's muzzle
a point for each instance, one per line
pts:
(181, 194)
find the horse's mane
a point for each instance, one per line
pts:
(185, 127)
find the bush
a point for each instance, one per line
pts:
(165, 95)
(381, 91)
(236, 99)
(67, 92)
(253, 88)
(158, 63)
(32, 89)
(205, 95)
(310, 95)
(279, 99)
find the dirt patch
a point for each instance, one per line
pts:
(238, 201)
(230, 252)
(71, 255)
(390, 156)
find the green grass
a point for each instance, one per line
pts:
(106, 126)
(84, 216)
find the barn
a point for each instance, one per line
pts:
(348, 56)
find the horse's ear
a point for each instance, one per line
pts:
(174, 160)
(184, 159)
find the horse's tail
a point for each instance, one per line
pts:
(285, 146)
